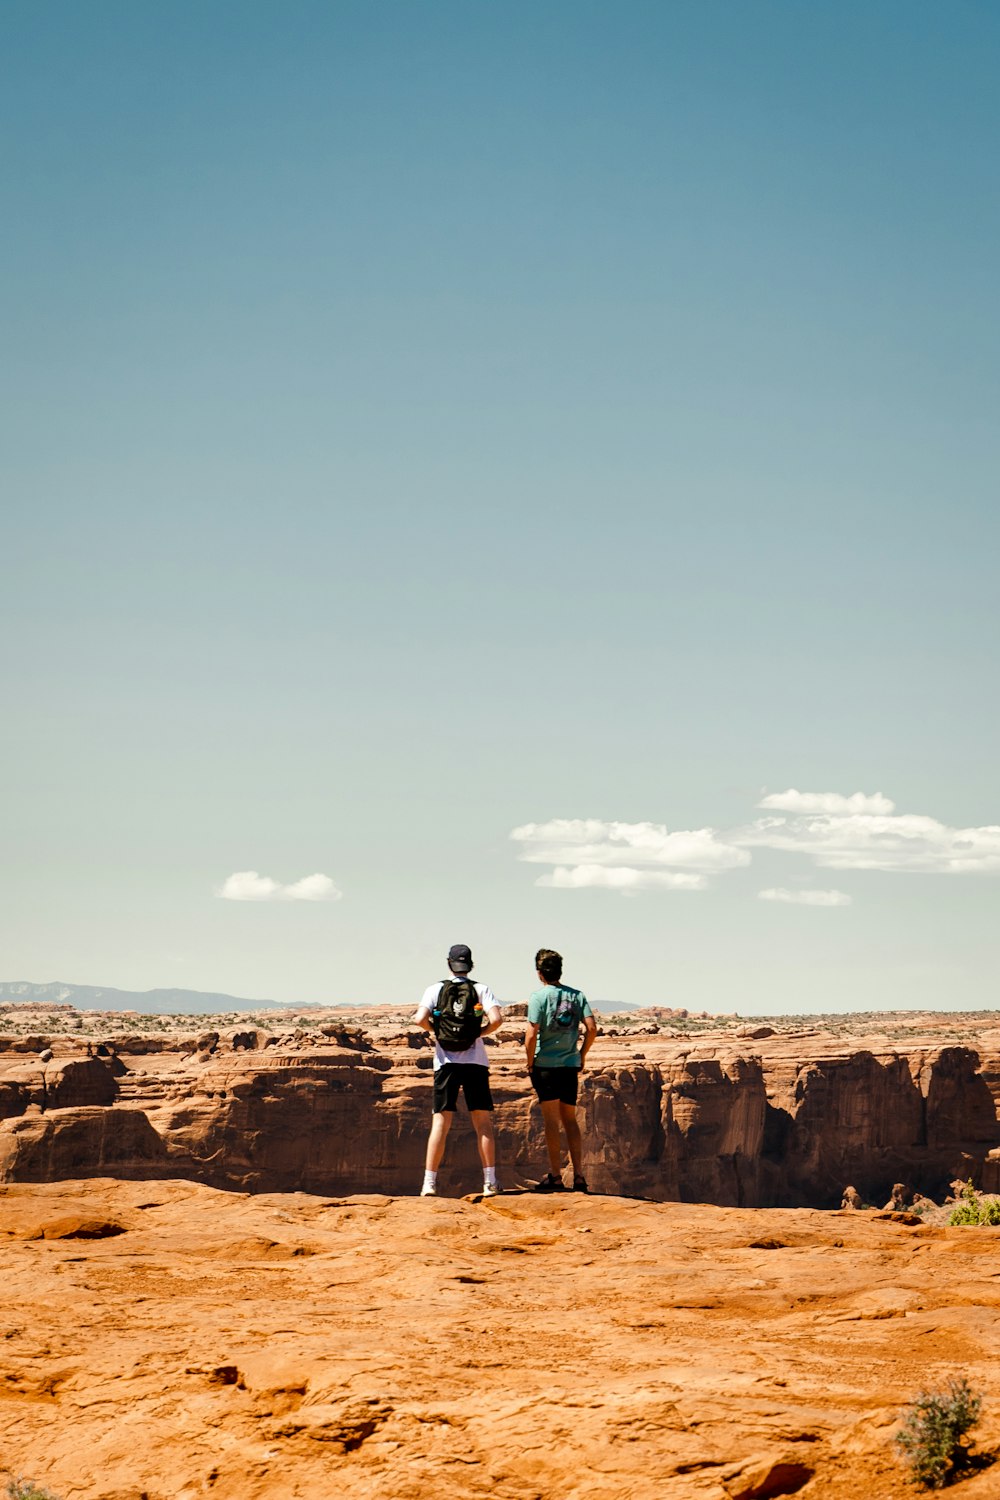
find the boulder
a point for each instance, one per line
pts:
(899, 1198)
(991, 1172)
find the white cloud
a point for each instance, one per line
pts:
(836, 830)
(827, 802)
(805, 898)
(312, 888)
(842, 835)
(589, 841)
(247, 885)
(619, 878)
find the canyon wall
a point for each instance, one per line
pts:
(782, 1120)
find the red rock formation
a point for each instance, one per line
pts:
(717, 1107)
(89, 1142)
(840, 1119)
(709, 1123)
(280, 1121)
(990, 1172)
(628, 1132)
(872, 1120)
(64, 1083)
(959, 1107)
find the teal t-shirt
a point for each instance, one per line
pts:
(557, 1045)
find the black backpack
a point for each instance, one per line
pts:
(457, 1017)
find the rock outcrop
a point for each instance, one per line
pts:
(717, 1107)
(871, 1120)
(89, 1142)
(62, 1083)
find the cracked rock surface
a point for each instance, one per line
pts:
(173, 1341)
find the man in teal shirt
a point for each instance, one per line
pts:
(556, 1015)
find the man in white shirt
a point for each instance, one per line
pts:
(447, 1009)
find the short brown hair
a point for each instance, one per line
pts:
(549, 964)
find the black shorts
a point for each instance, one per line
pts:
(556, 1083)
(473, 1080)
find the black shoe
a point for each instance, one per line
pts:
(550, 1184)
(580, 1185)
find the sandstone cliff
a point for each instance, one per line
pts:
(777, 1117)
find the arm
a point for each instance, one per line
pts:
(422, 1014)
(494, 1020)
(530, 1043)
(589, 1038)
(494, 1015)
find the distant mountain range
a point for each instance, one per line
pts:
(167, 1002)
(147, 1002)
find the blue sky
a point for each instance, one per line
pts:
(422, 422)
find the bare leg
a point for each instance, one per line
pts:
(574, 1140)
(482, 1124)
(440, 1125)
(550, 1117)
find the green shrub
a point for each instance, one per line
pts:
(932, 1433)
(27, 1489)
(975, 1210)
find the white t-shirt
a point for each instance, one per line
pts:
(476, 1054)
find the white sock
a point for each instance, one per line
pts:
(430, 1179)
(489, 1176)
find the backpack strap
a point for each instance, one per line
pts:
(459, 979)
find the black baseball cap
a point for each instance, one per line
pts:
(459, 958)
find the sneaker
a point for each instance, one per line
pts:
(428, 1192)
(580, 1185)
(550, 1184)
(490, 1190)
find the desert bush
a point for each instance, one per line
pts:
(27, 1489)
(975, 1210)
(932, 1434)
